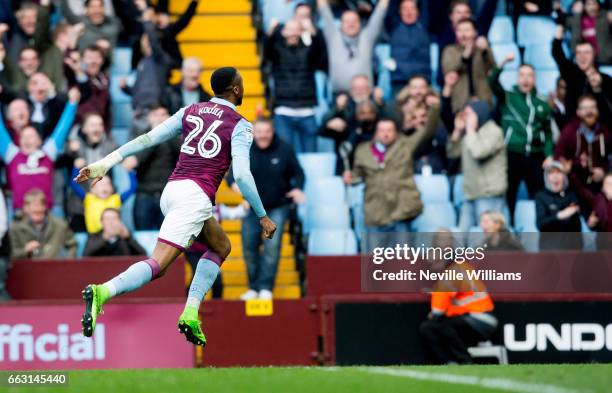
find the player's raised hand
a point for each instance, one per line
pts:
(268, 226)
(95, 171)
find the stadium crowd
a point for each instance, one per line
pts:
(449, 116)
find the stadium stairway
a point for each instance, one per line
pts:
(222, 34)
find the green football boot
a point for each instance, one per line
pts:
(189, 324)
(93, 307)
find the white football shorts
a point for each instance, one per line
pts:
(185, 207)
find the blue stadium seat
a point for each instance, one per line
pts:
(81, 240)
(326, 190)
(383, 53)
(122, 61)
(525, 216)
(501, 31)
(147, 239)
(508, 79)
(535, 30)
(121, 135)
(546, 81)
(522, 193)
(458, 190)
(122, 115)
(434, 54)
(327, 217)
(500, 51)
(540, 56)
(606, 70)
(433, 188)
(316, 165)
(332, 242)
(355, 201)
(435, 216)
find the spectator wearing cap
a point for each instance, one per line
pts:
(40, 235)
(525, 121)
(351, 48)
(409, 46)
(470, 59)
(114, 239)
(293, 66)
(189, 90)
(558, 211)
(479, 141)
(385, 165)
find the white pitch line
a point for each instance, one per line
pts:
(505, 384)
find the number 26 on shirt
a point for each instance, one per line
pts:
(209, 135)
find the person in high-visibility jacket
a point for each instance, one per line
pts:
(461, 316)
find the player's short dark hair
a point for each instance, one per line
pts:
(223, 79)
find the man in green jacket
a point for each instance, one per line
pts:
(525, 121)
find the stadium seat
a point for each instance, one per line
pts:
(317, 165)
(500, 51)
(535, 30)
(121, 135)
(488, 350)
(383, 53)
(435, 216)
(434, 54)
(122, 115)
(326, 190)
(147, 239)
(606, 70)
(122, 61)
(522, 193)
(433, 188)
(81, 240)
(355, 200)
(327, 217)
(332, 242)
(458, 190)
(508, 79)
(540, 56)
(525, 216)
(546, 81)
(501, 30)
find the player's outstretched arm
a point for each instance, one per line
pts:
(170, 128)
(241, 166)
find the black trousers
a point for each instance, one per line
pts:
(448, 339)
(523, 168)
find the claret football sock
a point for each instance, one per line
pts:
(133, 278)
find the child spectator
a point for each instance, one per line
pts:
(113, 238)
(497, 235)
(40, 235)
(30, 165)
(100, 197)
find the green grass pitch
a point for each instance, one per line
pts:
(414, 379)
